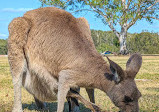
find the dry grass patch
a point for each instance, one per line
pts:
(149, 102)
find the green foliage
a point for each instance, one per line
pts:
(105, 41)
(104, 47)
(114, 11)
(145, 43)
(3, 47)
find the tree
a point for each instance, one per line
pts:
(105, 41)
(124, 13)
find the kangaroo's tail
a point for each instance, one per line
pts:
(18, 34)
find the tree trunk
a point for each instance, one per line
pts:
(122, 39)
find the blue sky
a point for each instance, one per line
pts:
(10, 9)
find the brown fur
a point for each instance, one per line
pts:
(50, 45)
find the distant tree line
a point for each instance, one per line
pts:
(145, 42)
(3, 47)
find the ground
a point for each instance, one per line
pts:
(148, 84)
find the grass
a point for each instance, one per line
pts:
(149, 102)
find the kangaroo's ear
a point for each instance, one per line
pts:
(118, 73)
(133, 65)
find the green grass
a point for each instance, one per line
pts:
(149, 102)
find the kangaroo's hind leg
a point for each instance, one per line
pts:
(18, 33)
(17, 72)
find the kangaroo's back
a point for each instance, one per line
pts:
(57, 39)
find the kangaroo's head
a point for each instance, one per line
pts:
(125, 94)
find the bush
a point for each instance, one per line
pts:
(3, 47)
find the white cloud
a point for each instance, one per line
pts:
(16, 10)
(3, 35)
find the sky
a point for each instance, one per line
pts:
(10, 9)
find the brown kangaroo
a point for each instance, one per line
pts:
(50, 48)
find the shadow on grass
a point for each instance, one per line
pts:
(51, 107)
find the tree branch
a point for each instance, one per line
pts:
(110, 24)
(153, 18)
(153, 4)
(101, 13)
(129, 1)
(139, 13)
(81, 10)
(133, 21)
(124, 8)
(124, 4)
(112, 28)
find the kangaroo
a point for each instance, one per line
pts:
(48, 46)
(73, 103)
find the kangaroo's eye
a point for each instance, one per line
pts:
(127, 99)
